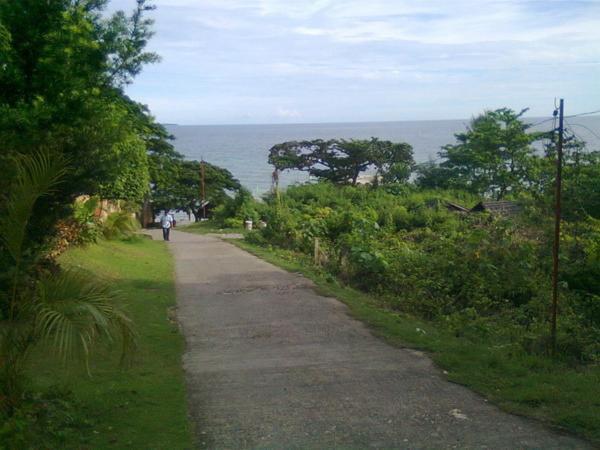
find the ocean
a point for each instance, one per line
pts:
(243, 149)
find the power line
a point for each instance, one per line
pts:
(540, 122)
(577, 198)
(584, 114)
(583, 126)
(571, 116)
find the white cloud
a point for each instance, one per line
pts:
(294, 9)
(338, 59)
(287, 113)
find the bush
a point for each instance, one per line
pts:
(119, 225)
(52, 417)
(475, 274)
(238, 209)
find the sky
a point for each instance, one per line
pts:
(308, 61)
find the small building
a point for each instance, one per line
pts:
(499, 207)
(455, 207)
(438, 203)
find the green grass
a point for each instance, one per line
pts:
(143, 406)
(563, 396)
(207, 227)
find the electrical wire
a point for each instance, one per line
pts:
(577, 198)
(597, 136)
(571, 116)
(541, 122)
(583, 114)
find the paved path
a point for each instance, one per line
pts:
(271, 364)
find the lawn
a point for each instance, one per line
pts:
(143, 406)
(560, 395)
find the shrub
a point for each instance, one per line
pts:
(240, 208)
(475, 274)
(119, 224)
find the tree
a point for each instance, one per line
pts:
(62, 69)
(393, 161)
(60, 84)
(493, 157)
(430, 175)
(129, 178)
(183, 191)
(342, 161)
(580, 175)
(68, 311)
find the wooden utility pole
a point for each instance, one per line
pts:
(555, 250)
(202, 189)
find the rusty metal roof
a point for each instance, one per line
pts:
(502, 207)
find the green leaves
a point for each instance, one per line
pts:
(128, 177)
(493, 157)
(68, 311)
(342, 161)
(124, 40)
(71, 312)
(35, 176)
(181, 187)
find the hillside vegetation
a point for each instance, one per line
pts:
(411, 251)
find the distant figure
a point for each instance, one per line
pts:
(166, 221)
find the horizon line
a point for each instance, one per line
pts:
(334, 123)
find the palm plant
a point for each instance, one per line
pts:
(67, 311)
(119, 224)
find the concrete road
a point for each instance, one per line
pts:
(271, 364)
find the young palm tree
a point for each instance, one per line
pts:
(68, 311)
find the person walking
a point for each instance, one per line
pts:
(166, 221)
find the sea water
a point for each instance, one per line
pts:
(244, 149)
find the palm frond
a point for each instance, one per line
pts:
(119, 224)
(36, 176)
(73, 312)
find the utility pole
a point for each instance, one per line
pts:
(559, 155)
(202, 190)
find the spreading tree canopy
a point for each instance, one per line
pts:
(342, 161)
(181, 187)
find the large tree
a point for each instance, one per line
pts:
(183, 192)
(61, 79)
(63, 65)
(343, 161)
(493, 157)
(62, 68)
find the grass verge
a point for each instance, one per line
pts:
(565, 397)
(143, 406)
(209, 227)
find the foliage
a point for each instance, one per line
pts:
(145, 405)
(126, 170)
(164, 166)
(183, 191)
(581, 178)
(63, 67)
(521, 382)
(493, 157)
(119, 224)
(477, 272)
(234, 211)
(50, 417)
(342, 161)
(84, 215)
(80, 229)
(66, 311)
